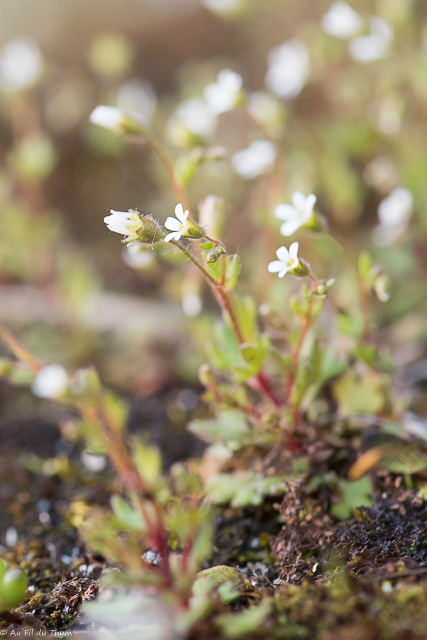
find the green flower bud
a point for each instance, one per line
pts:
(150, 232)
(12, 588)
(214, 254)
(194, 230)
(301, 270)
(314, 223)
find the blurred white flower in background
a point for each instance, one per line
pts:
(297, 214)
(107, 117)
(288, 69)
(223, 6)
(287, 260)
(396, 208)
(191, 304)
(341, 21)
(255, 160)
(193, 115)
(394, 213)
(265, 109)
(221, 96)
(20, 65)
(50, 382)
(138, 257)
(373, 46)
(137, 97)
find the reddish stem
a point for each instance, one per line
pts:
(297, 352)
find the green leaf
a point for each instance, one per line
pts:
(149, 462)
(242, 623)
(353, 495)
(184, 169)
(206, 246)
(360, 393)
(246, 310)
(364, 266)
(232, 271)
(367, 353)
(126, 515)
(3, 567)
(255, 353)
(349, 325)
(201, 549)
(243, 488)
(224, 352)
(229, 426)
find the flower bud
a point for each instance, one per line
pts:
(315, 223)
(150, 232)
(301, 270)
(116, 120)
(194, 230)
(12, 588)
(214, 254)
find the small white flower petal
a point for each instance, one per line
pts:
(175, 235)
(179, 212)
(173, 224)
(50, 382)
(288, 70)
(285, 212)
(310, 201)
(298, 199)
(396, 209)
(289, 227)
(293, 251)
(341, 21)
(283, 254)
(107, 117)
(276, 266)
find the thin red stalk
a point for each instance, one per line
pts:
(296, 354)
(131, 478)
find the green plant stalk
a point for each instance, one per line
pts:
(224, 298)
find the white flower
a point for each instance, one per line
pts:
(191, 305)
(374, 46)
(256, 159)
(297, 214)
(107, 117)
(20, 65)
(394, 213)
(289, 67)
(265, 108)
(221, 95)
(341, 21)
(50, 382)
(179, 225)
(287, 260)
(396, 209)
(138, 257)
(138, 98)
(223, 6)
(125, 222)
(196, 116)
